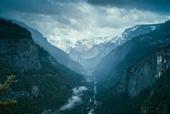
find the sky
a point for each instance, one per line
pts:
(64, 22)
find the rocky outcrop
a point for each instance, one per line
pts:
(144, 74)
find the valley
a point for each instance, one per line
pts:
(128, 74)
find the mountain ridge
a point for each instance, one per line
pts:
(41, 82)
(132, 71)
(57, 53)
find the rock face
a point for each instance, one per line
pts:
(132, 69)
(19, 56)
(130, 53)
(41, 81)
(144, 74)
(158, 101)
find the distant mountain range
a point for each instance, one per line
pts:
(90, 52)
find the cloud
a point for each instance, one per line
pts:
(72, 102)
(159, 6)
(32, 6)
(55, 6)
(75, 98)
(65, 22)
(78, 91)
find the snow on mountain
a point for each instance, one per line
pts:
(89, 52)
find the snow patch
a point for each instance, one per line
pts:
(134, 28)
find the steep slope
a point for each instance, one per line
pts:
(127, 74)
(56, 53)
(42, 83)
(89, 53)
(89, 58)
(158, 101)
(130, 52)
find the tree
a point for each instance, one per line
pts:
(6, 104)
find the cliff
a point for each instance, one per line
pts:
(41, 82)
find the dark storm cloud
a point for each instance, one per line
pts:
(33, 6)
(74, 20)
(56, 6)
(159, 6)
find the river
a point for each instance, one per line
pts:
(92, 103)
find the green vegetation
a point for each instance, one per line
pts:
(5, 105)
(153, 100)
(11, 30)
(158, 102)
(42, 83)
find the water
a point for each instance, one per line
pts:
(92, 101)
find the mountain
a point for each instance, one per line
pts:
(42, 83)
(128, 74)
(90, 57)
(158, 101)
(90, 52)
(56, 53)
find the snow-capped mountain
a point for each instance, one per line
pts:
(90, 52)
(137, 71)
(89, 55)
